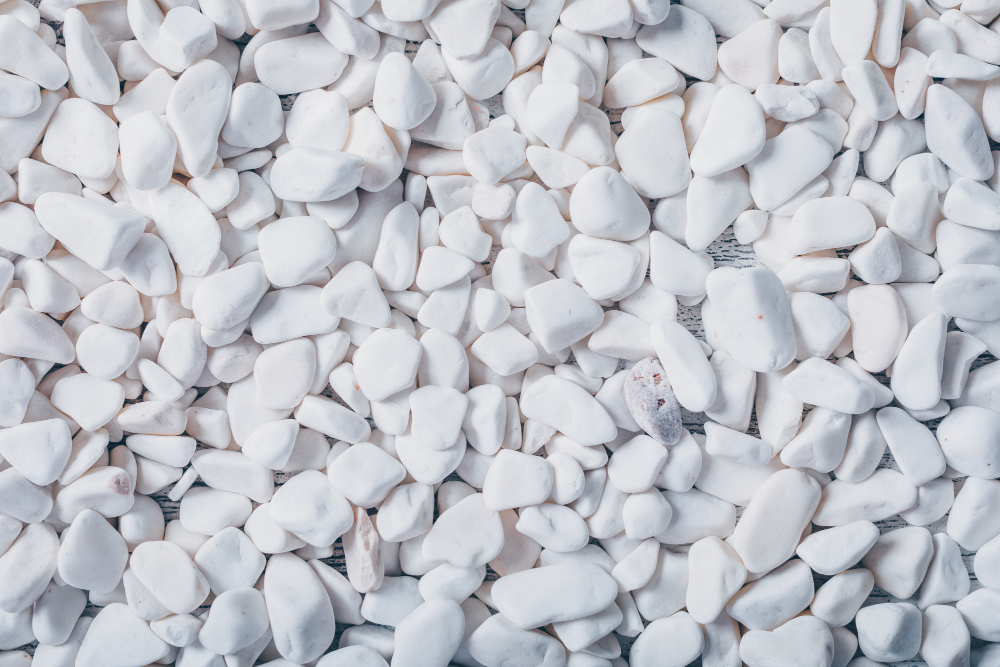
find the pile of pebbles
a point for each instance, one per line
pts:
(435, 297)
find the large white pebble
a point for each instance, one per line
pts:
(838, 600)
(918, 369)
(81, 139)
(488, 644)
(403, 99)
(639, 81)
(505, 350)
(196, 111)
(229, 560)
(116, 628)
(889, 632)
(27, 566)
(822, 383)
(255, 118)
(236, 620)
(354, 294)
(964, 435)
(691, 376)
(603, 267)
(299, 609)
(870, 90)
(104, 489)
(386, 363)
(95, 231)
(754, 305)
(562, 592)
(967, 291)
(560, 313)
(786, 164)
(311, 174)
(634, 466)
(775, 598)
(769, 530)
(28, 56)
(715, 574)
(365, 474)
(90, 401)
(22, 232)
(430, 635)
(679, 631)
(516, 480)
(148, 149)
(881, 495)
(812, 227)
(169, 574)
(293, 249)
(733, 133)
(115, 304)
(332, 419)
(684, 38)
(106, 352)
(56, 612)
(227, 298)
(33, 335)
(469, 534)
(569, 408)
(232, 471)
(296, 64)
(971, 520)
(800, 641)
(604, 205)
(208, 511)
(833, 551)
(751, 57)
(187, 226)
(38, 450)
(878, 325)
(979, 611)
(484, 75)
(551, 109)
(284, 373)
(318, 119)
(537, 226)
(493, 153)
(955, 134)
(652, 153)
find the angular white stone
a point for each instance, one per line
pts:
(759, 332)
(170, 574)
(878, 325)
(116, 625)
(604, 205)
(890, 631)
(768, 532)
(311, 174)
(469, 534)
(652, 153)
(685, 39)
(948, 117)
(562, 592)
(298, 607)
(309, 507)
(570, 409)
(884, 493)
(803, 640)
(833, 551)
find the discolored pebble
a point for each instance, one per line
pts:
(651, 401)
